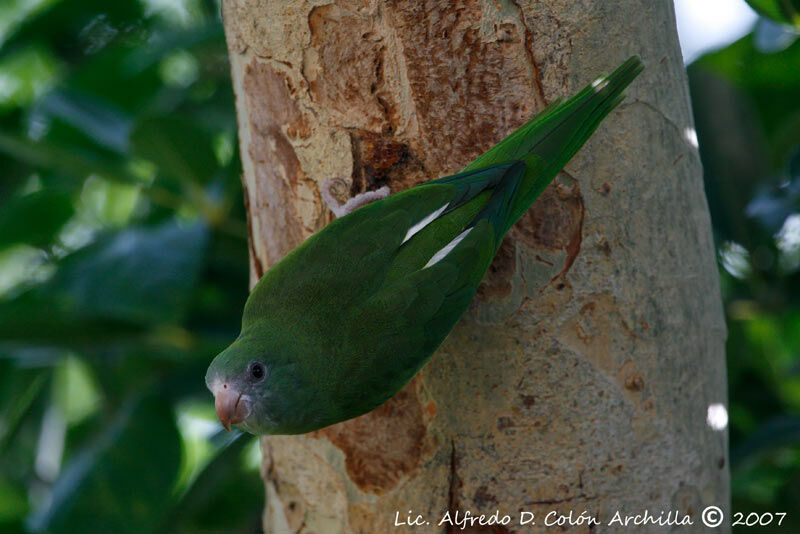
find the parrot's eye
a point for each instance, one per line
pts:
(256, 370)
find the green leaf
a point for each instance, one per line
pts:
(101, 122)
(64, 159)
(733, 151)
(79, 27)
(783, 11)
(112, 288)
(13, 502)
(15, 173)
(180, 148)
(122, 482)
(771, 84)
(25, 76)
(15, 12)
(777, 432)
(23, 320)
(222, 485)
(75, 389)
(20, 387)
(142, 274)
(164, 44)
(35, 218)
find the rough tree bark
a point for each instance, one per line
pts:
(580, 377)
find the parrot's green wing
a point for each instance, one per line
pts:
(417, 306)
(428, 286)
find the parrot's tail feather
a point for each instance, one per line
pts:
(600, 97)
(520, 167)
(549, 140)
(554, 141)
(497, 208)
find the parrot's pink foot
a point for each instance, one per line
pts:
(357, 201)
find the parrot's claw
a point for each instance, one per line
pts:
(357, 201)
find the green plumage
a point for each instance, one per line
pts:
(347, 318)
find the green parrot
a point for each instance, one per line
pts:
(346, 319)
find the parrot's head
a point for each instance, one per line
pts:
(237, 381)
(252, 388)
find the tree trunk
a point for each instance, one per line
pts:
(580, 378)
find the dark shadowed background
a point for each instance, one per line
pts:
(123, 263)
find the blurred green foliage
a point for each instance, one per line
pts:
(782, 11)
(123, 264)
(123, 269)
(747, 115)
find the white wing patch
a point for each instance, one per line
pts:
(448, 248)
(423, 223)
(599, 84)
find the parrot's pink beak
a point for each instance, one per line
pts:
(231, 408)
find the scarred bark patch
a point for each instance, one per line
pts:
(554, 222)
(497, 283)
(345, 79)
(278, 175)
(385, 445)
(273, 104)
(469, 86)
(378, 160)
